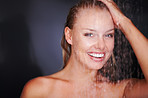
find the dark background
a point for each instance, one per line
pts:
(30, 35)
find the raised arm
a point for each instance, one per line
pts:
(139, 44)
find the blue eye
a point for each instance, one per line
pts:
(88, 34)
(109, 35)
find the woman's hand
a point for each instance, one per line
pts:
(116, 13)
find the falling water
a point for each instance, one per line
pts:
(126, 62)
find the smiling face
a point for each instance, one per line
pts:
(92, 38)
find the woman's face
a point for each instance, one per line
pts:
(92, 39)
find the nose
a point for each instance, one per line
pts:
(100, 44)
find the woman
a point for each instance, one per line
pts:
(88, 47)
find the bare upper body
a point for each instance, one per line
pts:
(57, 87)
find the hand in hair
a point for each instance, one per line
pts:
(116, 13)
(139, 44)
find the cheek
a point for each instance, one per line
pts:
(79, 42)
(80, 45)
(110, 46)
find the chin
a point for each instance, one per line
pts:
(96, 66)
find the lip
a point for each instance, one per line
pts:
(95, 58)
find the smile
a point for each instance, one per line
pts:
(97, 55)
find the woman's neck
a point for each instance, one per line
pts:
(77, 72)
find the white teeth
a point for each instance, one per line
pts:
(96, 55)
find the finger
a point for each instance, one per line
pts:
(114, 10)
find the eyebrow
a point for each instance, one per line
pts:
(96, 31)
(110, 30)
(89, 29)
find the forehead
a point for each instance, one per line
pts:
(94, 18)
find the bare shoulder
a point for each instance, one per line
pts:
(136, 88)
(118, 88)
(37, 87)
(132, 88)
(41, 87)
